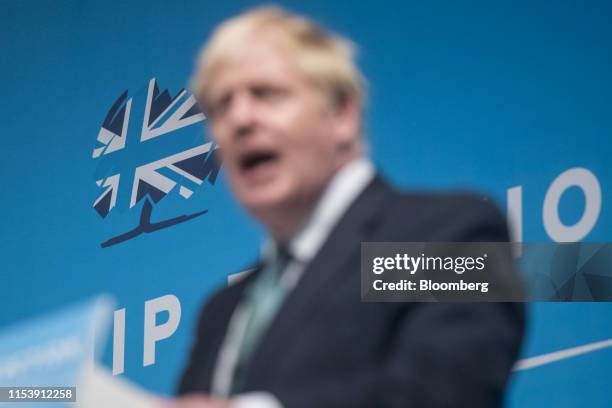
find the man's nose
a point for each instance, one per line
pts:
(242, 114)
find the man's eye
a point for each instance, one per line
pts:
(219, 106)
(268, 93)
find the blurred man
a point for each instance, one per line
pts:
(284, 101)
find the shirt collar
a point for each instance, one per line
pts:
(339, 194)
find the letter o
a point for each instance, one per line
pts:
(587, 182)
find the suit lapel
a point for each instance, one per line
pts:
(342, 244)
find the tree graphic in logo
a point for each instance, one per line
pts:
(131, 171)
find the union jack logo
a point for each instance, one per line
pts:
(142, 177)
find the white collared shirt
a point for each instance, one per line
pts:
(339, 194)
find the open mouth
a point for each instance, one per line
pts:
(254, 160)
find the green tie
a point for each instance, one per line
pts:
(262, 301)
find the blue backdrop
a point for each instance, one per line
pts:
(480, 95)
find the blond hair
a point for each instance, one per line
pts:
(325, 59)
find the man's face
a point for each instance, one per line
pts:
(280, 137)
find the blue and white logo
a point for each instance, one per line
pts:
(166, 157)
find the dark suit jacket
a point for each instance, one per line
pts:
(326, 348)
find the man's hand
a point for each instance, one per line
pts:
(197, 400)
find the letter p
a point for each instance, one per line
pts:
(153, 333)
